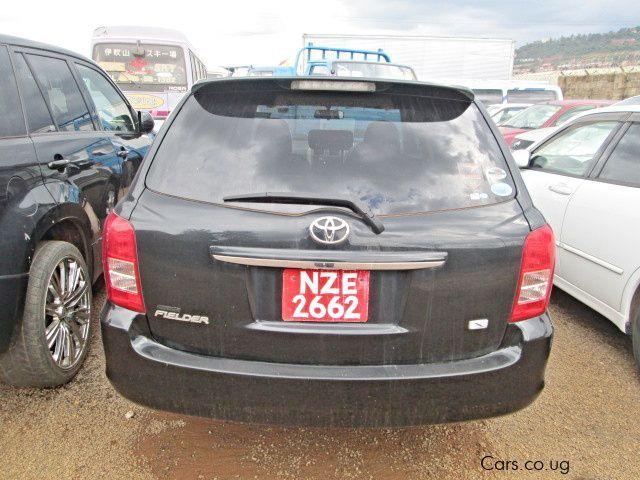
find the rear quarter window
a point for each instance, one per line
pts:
(397, 153)
(11, 120)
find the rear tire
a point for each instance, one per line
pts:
(51, 341)
(635, 337)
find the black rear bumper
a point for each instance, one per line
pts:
(161, 377)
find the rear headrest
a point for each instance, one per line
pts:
(382, 135)
(332, 141)
(274, 136)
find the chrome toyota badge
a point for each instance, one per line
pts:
(329, 230)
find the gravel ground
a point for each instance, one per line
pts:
(585, 424)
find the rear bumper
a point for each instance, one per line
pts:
(161, 377)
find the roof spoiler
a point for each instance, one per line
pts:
(248, 84)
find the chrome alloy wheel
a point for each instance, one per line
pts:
(67, 313)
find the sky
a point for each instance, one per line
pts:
(240, 32)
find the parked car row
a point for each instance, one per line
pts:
(70, 146)
(585, 179)
(323, 251)
(510, 92)
(545, 115)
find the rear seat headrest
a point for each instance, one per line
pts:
(274, 135)
(382, 135)
(332, 141)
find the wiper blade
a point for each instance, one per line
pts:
(363, 211)
(131, 80)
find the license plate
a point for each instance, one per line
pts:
(325, 295)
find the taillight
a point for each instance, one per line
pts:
(160, 114)
(536, 275)
(120, 262)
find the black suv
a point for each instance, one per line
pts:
(328, 252)
(70, 144)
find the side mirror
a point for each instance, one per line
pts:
(522, 157)
(146, 122)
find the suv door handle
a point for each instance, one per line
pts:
(561, 188)
(59, 162)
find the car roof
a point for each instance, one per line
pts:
(614, 109)
(23, 42)
(535, 134)
(507, 105)
(575, 103)
(139, 32)
(634, 100)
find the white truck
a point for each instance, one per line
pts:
(450, 59)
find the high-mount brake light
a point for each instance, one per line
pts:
(328, 85)
(120, 262)
(536, 275)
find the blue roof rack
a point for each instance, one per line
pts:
(339, 54)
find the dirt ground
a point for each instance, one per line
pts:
(585, 425)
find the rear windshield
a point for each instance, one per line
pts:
(396, 153)
(531, 95)
(488, 96)
(372, 70)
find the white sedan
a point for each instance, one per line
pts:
(585, 179)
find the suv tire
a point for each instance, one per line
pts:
(31, 359)
(635, 336)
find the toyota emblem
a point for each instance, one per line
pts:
(329, 230)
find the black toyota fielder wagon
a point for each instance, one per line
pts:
(328, 252)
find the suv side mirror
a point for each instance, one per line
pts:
(146, 122)
(522, 157)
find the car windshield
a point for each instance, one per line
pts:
(143, 64)
(532, 117)
(505, 114)
(393, 153)
(373, 70)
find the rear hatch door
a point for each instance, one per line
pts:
(423, 162)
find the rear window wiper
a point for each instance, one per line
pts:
(363, 211)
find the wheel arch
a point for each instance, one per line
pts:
(634, 309)
(67, 222)
(631, 299)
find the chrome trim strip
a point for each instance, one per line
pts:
(310, 264)
(593, 259)
(329, 258)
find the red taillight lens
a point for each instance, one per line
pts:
(159, 113)
(120, 262)
(536, 275)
